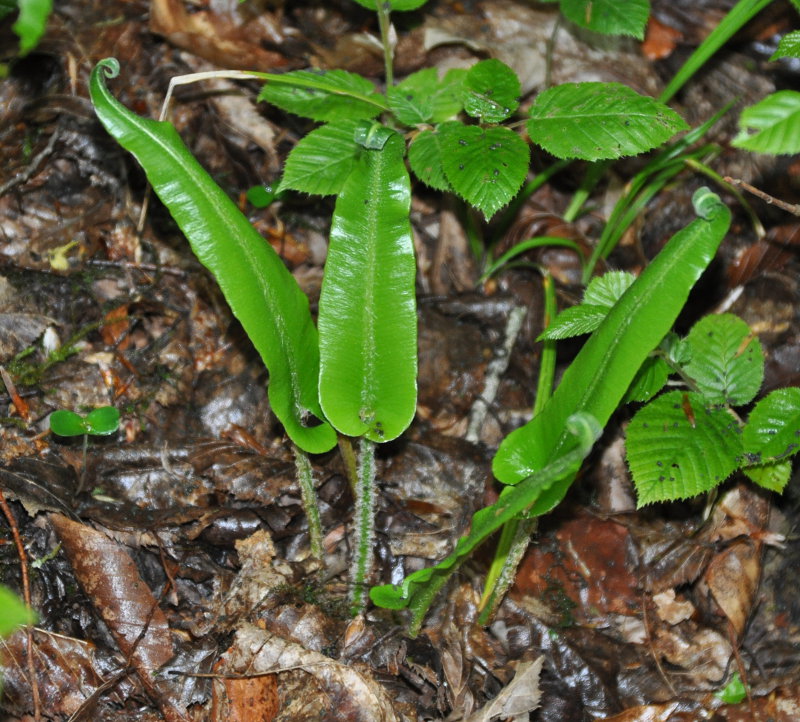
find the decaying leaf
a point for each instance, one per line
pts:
(519, 697)
(351, 691)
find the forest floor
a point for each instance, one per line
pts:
(179, 543)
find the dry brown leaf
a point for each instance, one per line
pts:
(110, 579)
(732, 578)
(213, 36)
(351, 691)
(519, 697)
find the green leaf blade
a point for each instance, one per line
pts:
(600, 375)
(772, 476)
(400, 5)
(491, 91)
(324, 95)
(411, 100)
(788, 47)
(367, 309)
(68, 423)
(595, 121)
(13, 612)
(322, 160)
(678, 448)
(485, 166)
(103, 421)
(418, 589)
(726, 360)
(775, 122)
(772, 431)
(425, 159)
(31, 23)
(261, 292)
(610, 17)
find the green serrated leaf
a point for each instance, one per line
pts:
(13, 612)
(261, 292)
(574, 321)
(425, 159)
(485, 166)
(771, 476)
(324, 95)
(103, 421)
(412, 100)
(772, 125)
(600, 295)
(726, 360)
(677, 448)
(788, 47)
(322, 160)
(772, 431)
(400, 5)
(68, 423)
(649, 380)
(607, 289)
(594, 121)
(31, 23)
(610, 17)
(367, 307)
(491, 91)
(447, 97)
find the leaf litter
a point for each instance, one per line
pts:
(188, 551)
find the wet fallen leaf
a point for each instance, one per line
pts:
(109, 577)
(519, 697)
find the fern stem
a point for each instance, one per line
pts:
(365, 526)
(305, 477)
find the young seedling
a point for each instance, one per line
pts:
(102, 421)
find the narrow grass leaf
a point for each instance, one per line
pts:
(261, 292)
(367, 309)
(594, 121)
(678, 448)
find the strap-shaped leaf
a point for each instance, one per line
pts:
(593, 121)
(367, 308)
(597, 380)
(678, 448)
(261, 292)
(394, 4)
(775, 122)
(610, 17)
(419, 588)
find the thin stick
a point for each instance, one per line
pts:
(26, 594)
(766, 197)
